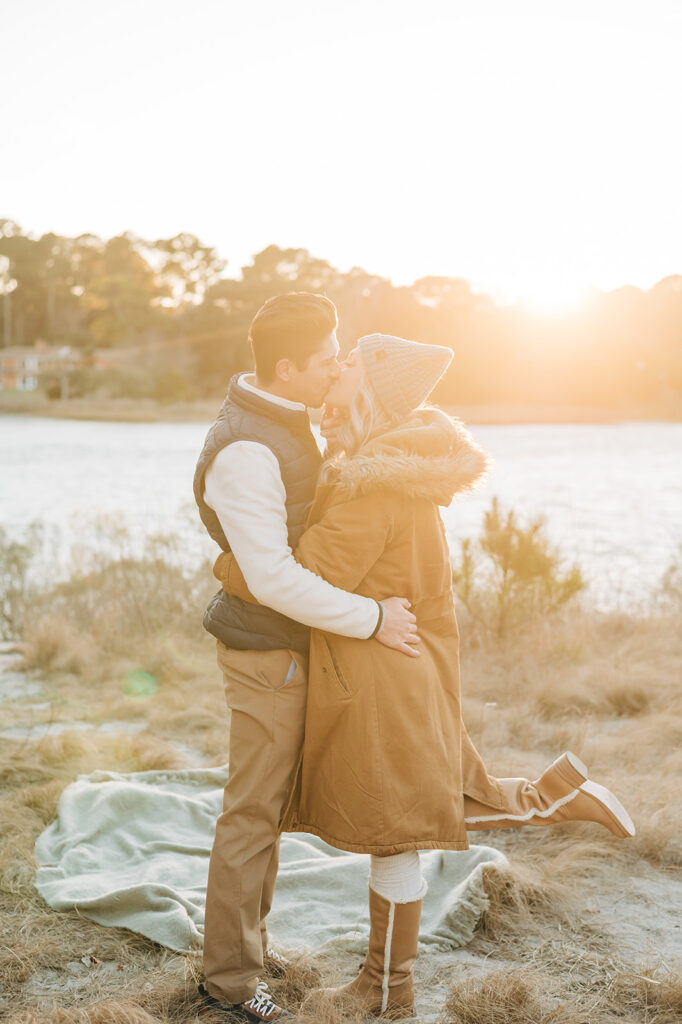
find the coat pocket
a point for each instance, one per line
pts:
(330, 667)
(291, 672)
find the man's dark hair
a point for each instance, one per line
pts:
(290, 326)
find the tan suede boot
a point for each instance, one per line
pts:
(562, 793)
(384, 986)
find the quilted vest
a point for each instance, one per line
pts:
(286, 432)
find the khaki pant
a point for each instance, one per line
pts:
(266, 693)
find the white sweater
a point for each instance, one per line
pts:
(243, 485)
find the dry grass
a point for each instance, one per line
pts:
(605, 686)
(103, 1013)
(511, 996)
(522, 896)
(526, 996)
(52, 643)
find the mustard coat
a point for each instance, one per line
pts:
(386, 756)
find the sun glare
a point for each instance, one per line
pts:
(549, 296)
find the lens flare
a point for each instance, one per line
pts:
(139, 685)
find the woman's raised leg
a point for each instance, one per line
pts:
(562, 793)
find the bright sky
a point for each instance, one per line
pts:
(533, 147)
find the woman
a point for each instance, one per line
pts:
(388, 767)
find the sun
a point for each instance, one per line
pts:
(549, 295)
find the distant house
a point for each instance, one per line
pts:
(22, 366)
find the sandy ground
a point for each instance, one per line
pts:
(585, 914)
(636, 925)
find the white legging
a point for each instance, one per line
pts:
(397, 878)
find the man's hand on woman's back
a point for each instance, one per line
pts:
(399, 629)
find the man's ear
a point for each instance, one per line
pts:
(283, 370)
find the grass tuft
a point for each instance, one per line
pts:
(508, 996)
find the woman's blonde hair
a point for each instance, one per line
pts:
(367, 419)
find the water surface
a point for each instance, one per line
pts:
(611, 494)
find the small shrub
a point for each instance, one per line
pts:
(16, 590)
(52, 642)
(512, 573)
(119, 599)
(670, 588)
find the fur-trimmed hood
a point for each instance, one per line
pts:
(431, 457)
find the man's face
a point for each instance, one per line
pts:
(310, 386)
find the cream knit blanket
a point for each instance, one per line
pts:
(132, 851)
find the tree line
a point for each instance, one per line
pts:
(167, 303)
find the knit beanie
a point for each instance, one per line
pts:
(402, 373)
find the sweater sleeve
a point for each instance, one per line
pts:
(244, 487)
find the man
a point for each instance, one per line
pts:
(254, 482)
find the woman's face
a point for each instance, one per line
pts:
(347, 384)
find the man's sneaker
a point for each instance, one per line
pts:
(260, 1009)
(276, 966)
